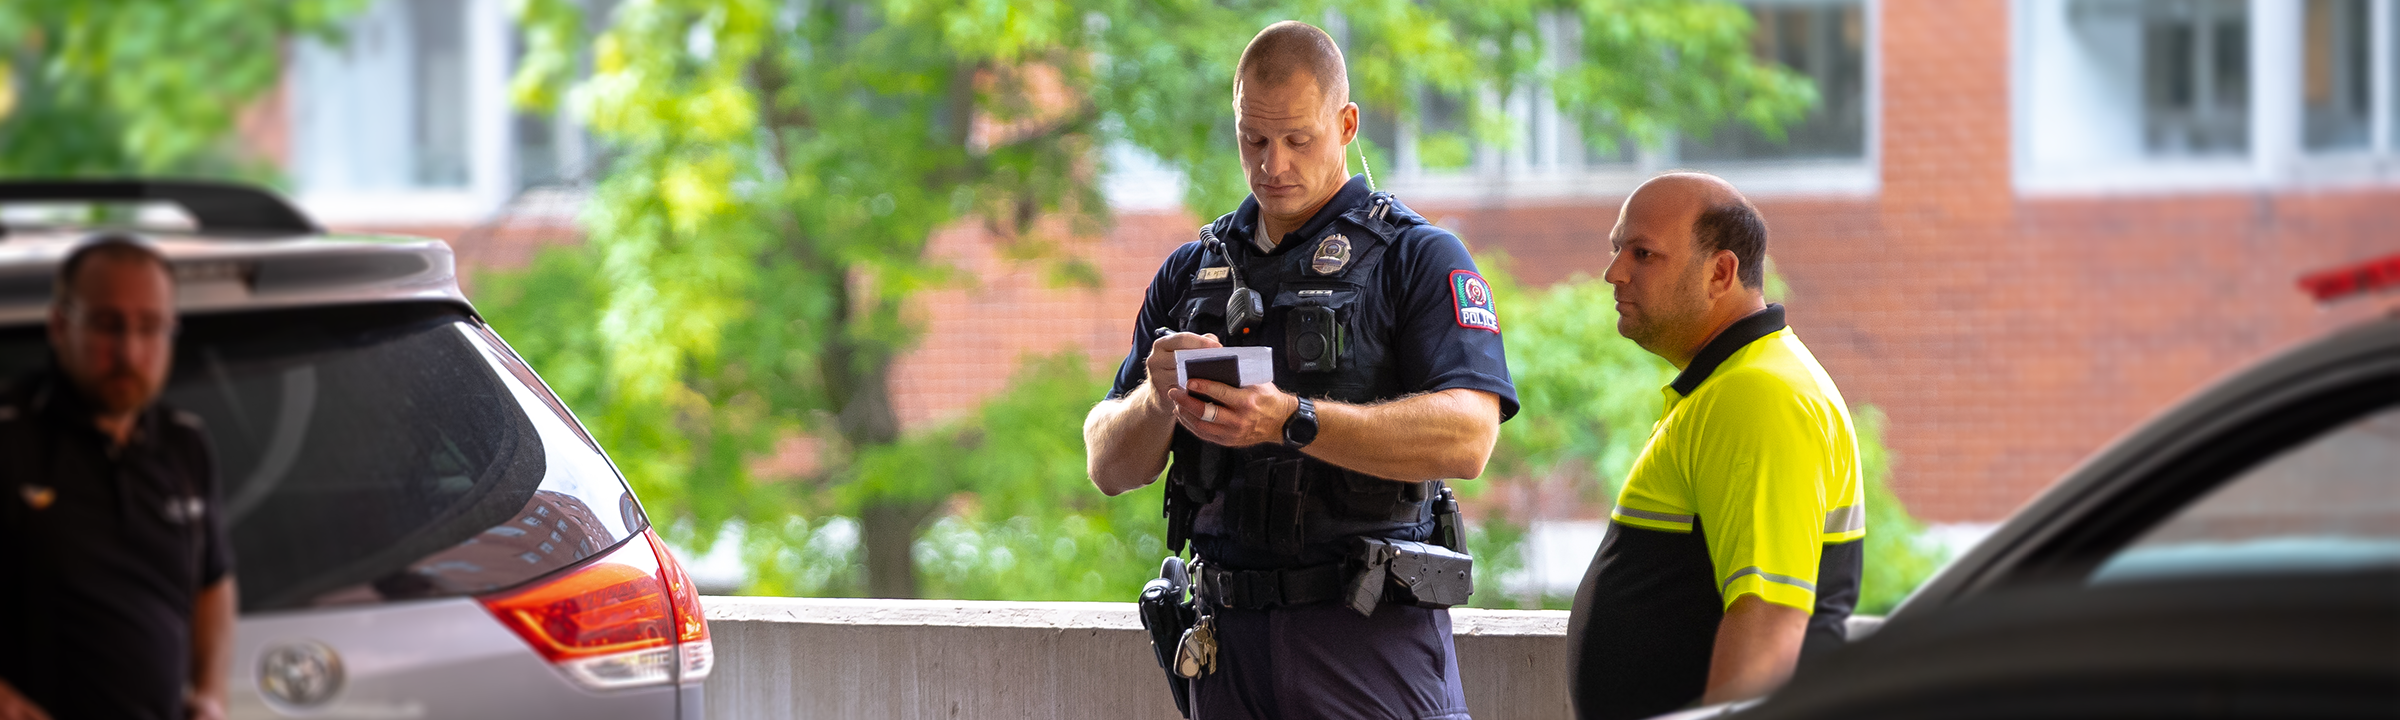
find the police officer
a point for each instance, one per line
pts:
(119, 601)
(1388, 377)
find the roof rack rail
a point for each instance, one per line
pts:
(218, 207)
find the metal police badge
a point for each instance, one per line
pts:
(1474, 299)
(1333, 253)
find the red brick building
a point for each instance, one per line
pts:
(2017, 227)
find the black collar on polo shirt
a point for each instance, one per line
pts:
(1742, 332)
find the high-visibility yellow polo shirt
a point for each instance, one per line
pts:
(1763, 449)
(1749, 485)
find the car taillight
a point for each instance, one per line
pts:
(625, 619)
(691, 626)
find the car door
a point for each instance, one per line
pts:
(2331, 388)
(2237, 557)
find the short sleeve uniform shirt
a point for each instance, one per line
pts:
(1444, 332)
(1749, 485)
(1421, 319)
(109, 547)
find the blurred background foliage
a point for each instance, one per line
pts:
(776, 169)
(122, 87)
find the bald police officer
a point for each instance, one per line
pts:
(1388, 377)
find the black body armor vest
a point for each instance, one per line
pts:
(1331, 323)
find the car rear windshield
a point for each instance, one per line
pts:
(372, 453)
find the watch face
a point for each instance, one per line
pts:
(1301, 429)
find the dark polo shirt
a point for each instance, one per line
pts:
(106, 549)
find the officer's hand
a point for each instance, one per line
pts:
(1245, 416)
(15, 707)
(1161, 361)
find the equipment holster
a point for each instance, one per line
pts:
(1166, 611)
(1420, 574)
(1192, 481)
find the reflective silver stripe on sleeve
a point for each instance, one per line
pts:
(1647, 515)
(1770, 577)
(1846, 519)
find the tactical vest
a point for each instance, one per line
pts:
(1332, 326)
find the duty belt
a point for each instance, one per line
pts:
(1263, 589)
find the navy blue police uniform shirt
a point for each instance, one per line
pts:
(109, 547)
(1445, 332)
(1448, 337)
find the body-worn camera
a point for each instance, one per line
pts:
(1313, 339)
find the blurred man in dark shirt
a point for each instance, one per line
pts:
(120, 603)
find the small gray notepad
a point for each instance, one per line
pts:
(1236, 366)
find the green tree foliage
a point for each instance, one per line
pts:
(1587, 396)
(1899, 558)
(120, 87)
(778, 166)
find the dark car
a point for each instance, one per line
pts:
(420, 528)
(2237, 556)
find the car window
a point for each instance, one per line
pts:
(381, 452)
(2328, 504)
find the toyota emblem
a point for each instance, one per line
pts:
(300, 674)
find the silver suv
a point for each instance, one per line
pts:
(421, 529)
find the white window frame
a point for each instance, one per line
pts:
(1504, 176)
(2276, 159)
(491, 171)
(2379, 162)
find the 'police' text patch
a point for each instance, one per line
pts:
(1474, 299)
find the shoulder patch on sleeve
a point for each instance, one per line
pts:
(1473, 298)
(189, 419)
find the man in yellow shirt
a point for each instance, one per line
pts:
(1735, 546)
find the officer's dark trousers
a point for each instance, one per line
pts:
(1324, 661)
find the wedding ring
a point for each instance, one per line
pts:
(1209, 415)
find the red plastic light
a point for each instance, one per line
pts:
(690, 624)
(628, 618)
(612, 605)
(2329, 285)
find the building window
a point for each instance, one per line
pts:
(437, 45)
(355, 133)
(1826, 150)
(406, 119)
(2201, 95)
(2196, 77)
(1825, 41)
(2336, 78)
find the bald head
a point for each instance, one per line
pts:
(1719, 216)
(1293, 50)
(1686, 263)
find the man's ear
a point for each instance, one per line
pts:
(1349, 115)
(58, 324)
(1724, 273)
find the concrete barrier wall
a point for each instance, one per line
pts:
(911, 659)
